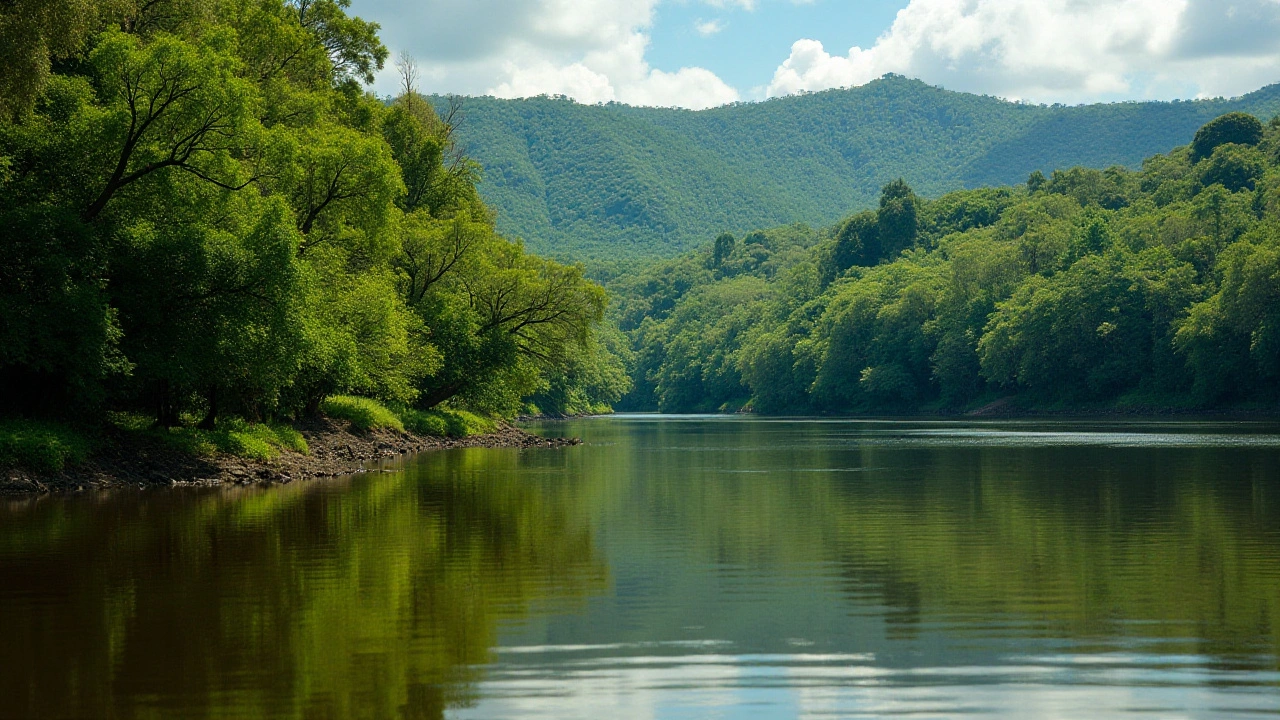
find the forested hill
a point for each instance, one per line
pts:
(608, 182)
(1083, 290)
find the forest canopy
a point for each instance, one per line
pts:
(204, 212)
(620, 186)
(1150, 289)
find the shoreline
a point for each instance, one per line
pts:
(334, 450)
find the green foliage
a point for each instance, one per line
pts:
(1235, 167)
(1088, 288)
(1233, 128)
(204, 217)
(446, 422)
(593, 380)
(34, 33)
(1231, 340)
(234, 436)
(364, 414)
(610, 183)
(723, 248)
(41, 446)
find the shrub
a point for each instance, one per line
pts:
(238, 437)
(444, 422)
(39, 446)
(428, 422)
(363, 414)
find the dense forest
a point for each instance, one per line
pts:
(1157, 288)
(205, 214)
(605, 183)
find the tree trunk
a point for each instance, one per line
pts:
(211, 419)
(166, 410)
(439, 395)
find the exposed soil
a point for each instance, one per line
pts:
(129, 459)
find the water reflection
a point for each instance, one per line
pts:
(670, 569)
(376, 597)
(1133, 573)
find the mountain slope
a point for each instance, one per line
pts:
(611, 182)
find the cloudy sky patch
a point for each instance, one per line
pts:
(703, 53)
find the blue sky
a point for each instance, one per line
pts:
(703, 53)
(747, 48)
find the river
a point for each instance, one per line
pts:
(676, 567)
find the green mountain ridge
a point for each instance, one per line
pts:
(613, 182)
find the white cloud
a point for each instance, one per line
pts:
(618, 73)
(747, 5)
(707, 28)
(590, 50)
(1060, 50)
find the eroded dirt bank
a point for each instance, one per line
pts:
(335, 450)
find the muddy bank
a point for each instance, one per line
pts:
(132, 460)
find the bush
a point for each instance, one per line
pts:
(429, 422)
(45, 447)
(363, 414)
(234, 436)
(446, 423)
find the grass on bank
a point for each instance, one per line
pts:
(232, 435)
(44, 446)
(365, 414)
(41, 446)
(446, 422)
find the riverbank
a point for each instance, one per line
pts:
(126, 459)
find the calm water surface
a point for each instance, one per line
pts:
(676, 568)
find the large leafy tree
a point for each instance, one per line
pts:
(204, 213)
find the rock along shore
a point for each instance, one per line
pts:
(125, 460)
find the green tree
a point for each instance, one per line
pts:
(1233, 166)
(723, 248)
(1231, 340)
(1238, 128)
(898, 220)
(168, 105)
(33, 33)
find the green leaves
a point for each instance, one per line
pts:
(1235, 167)
(1095, 289)
(337, 179)
(205, 215)
(1238, 128)
(1232, 340)
(351, 43)
(169, 105)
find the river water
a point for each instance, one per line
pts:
(676, 567)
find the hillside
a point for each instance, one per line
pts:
(1094, 290)
(611, 182)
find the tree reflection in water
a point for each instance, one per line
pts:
(371, 597)
(888, 546)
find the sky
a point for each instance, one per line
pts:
(703, 53)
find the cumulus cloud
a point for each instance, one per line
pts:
(618, 73)
(590, 50)
(1059, 50)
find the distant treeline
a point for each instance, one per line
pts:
(202, 212)
(612, 183)
(1088, 288)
